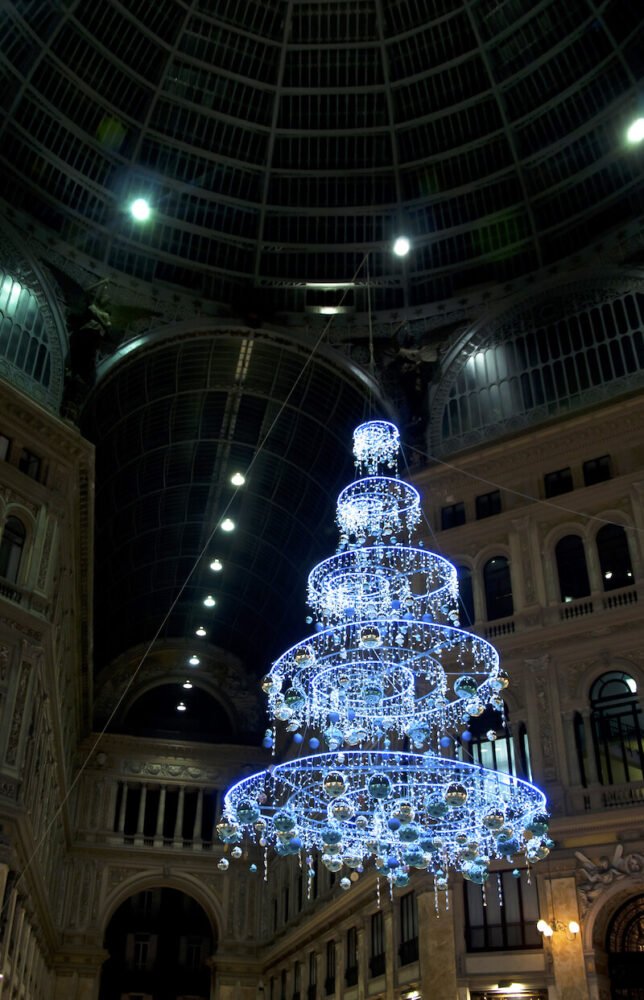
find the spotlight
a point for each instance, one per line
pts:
(200, 631)
(401, 246)
(140, 209)
(209, 601)
(194, 661)
(187, 685)
(635, 132)
(237, 479)
(181, 707)
(227, 524)
(216, 565)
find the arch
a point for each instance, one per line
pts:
(615, 892)
(497, 586)
(157, 699)
(188, 884)
(519, 365)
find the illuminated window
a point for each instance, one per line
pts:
(505, 917)
(614, 557)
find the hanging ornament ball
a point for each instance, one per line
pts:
(344, 680)
(342, 810)
(372, 693)
(466, 736)
(282, 712)
(474, 708)
(404, 811)
(370, 636)
(271, 684)
(334, 737)
(304, 656)
(223, 864)
(409, 833)
(267, 742)
(538, 825)
(393, 824)
(345, 883)
(314, 743)
(284, 821)
(259, 825)
(252, 869)
(334, 784)
(379, 786)
(247, 811)
(493, 820)
(461, 838)
(445, 742)
(354, 876)
(361, 822)
(295, 699)
(465, 686)
(228, 833)
(475, 873)
(437, 808)
(516, 873)
(236, 853)
(491, 735)
(441, 882)
(455, 795)
(401, 879)
(298, 739)
(500, 681)
(536, 850)
(418, 733)
(331, 863)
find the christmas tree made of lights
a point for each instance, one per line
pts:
(384, 683)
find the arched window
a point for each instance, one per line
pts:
(617, 723)
(498, 588)
(571, 568)
(11, 548)
(465, 595)
(614, 557)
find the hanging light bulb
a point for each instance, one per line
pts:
(209, 601)
(237, 479)
(181, 707)
(187, 684)
(227, 524)
(216, 565)
(200, 631)
(194, 661)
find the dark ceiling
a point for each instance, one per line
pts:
(279, 144)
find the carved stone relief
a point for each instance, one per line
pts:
(593, 878)
(18, 710)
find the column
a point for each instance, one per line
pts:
(567, 951)
(363, 962)
(196, 830)
(390, 950)
(110, 808)
(141, 817)
(121, 823)
(437, 950)
(178, 826)
(158, 833)
(592, 778)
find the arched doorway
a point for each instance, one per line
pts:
(159, 943)
(625, 947)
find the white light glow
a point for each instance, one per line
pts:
(328, 310)
(548, 932)
(237, 479)
(216, 565)
(401, 246)
(200, 631)
(187, 685)
(140, 209)
(631, 685)
(181, 707)
(209, 601)
(227, 524)
(541, 925)
(635, 131)
(194, 661)
(608, 574)
(573, 927)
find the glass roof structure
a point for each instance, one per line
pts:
(277, 143)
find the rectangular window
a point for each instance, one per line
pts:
(141, 951)
(556, 483)
(408, 949)
(30, 464)
(452, 516)
(488, 504)
(313, 968)
(5, 445)
(377, 959)
(351, 971)
(193, 952)
(506, 918)
(597, 470)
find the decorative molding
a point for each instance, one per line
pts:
(594, 878)
(163, 769)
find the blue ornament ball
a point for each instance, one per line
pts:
(267, 742)
(314, 743)
(466, 736)
(445, 741)
(298, 738)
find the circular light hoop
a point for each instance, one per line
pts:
(376, 444)
(420, 778)
(378, 506)
(367, 580)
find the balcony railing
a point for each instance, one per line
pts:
(606, 602)
(598, 798)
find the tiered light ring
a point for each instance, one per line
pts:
(386, 664)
